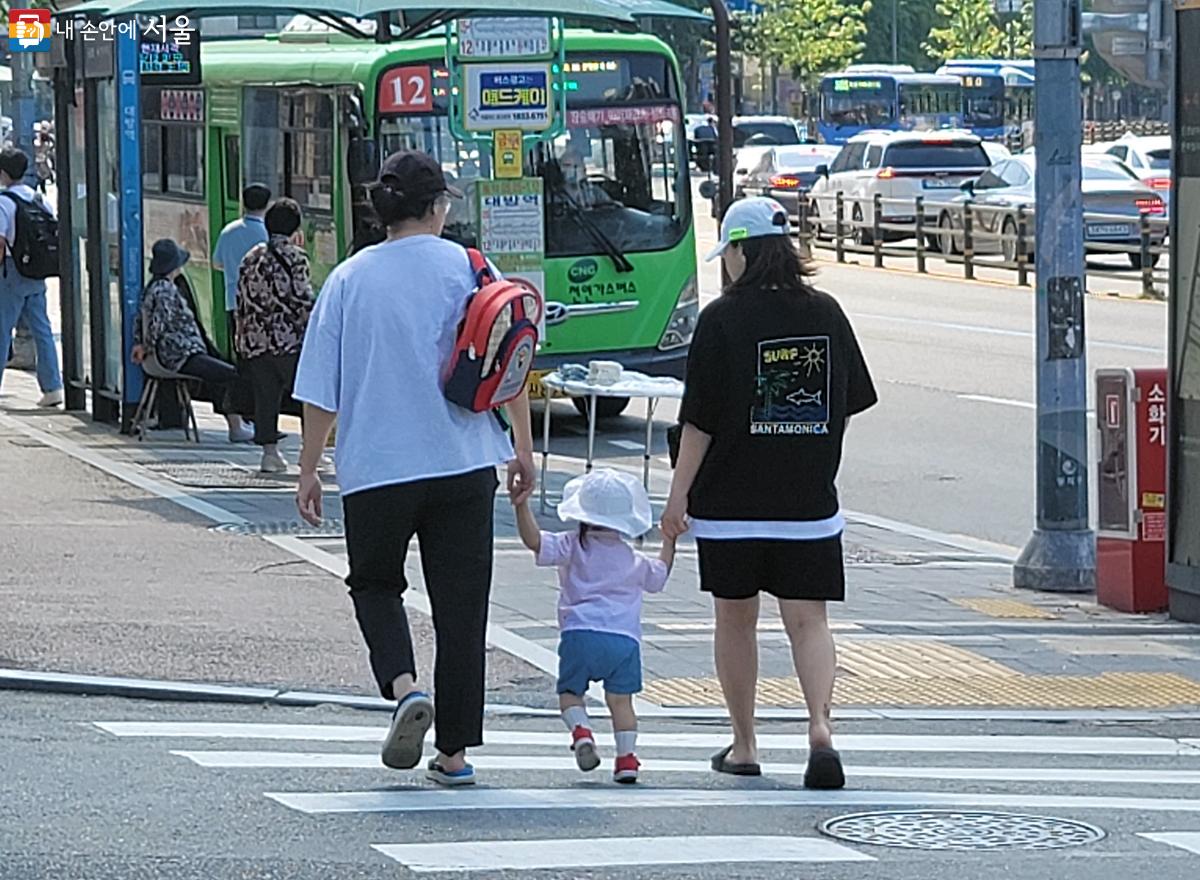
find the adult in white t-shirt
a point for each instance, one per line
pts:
(410, 462)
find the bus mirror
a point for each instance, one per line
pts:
(822, 171)
(708, 190)
(362, 160)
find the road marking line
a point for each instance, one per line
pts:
(632, 445)
(646, 797)
(1188, 840)
(997, 331)
(1033, 745)
(608, 852)
(1002, 401)
(273, 760)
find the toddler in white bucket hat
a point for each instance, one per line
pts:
(601, 580)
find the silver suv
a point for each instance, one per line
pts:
(899, 166)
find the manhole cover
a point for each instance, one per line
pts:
(329, 528)
(218, 475)
(954, 830)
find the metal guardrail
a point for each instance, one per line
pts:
(851, 232)
(1100, 132)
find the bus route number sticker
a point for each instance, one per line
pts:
(406, 90)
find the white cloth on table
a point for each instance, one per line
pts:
(632, 384)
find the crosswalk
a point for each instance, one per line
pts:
(1146, 786)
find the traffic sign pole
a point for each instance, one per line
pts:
(1061, 554)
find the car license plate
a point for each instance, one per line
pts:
(938, 183)
(1109, 230)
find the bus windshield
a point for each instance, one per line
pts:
(983, 101)
(858, 102)
(614, 181)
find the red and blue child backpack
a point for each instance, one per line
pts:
(496, 341)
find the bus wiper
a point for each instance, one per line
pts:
(607, 245)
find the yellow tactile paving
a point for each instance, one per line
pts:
(886, 659)
(1007, 608)
(1115, 690)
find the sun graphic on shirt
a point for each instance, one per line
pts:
(813, 359)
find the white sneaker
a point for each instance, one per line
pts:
(273, 463)
(241, 435)
(51, 398)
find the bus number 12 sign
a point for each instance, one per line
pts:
(406, 90)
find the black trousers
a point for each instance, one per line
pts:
(452, 518)
(272, 377)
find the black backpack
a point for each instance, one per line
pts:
(34, 247)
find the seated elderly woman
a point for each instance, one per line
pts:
(167, 329)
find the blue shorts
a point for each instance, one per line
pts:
(585, 656)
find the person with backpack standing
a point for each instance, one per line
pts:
(29, 253)
(274, 300)
(409, 461)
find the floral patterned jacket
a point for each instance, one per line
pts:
(167, 326)
(275, 299)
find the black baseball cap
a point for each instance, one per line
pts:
(413, 174)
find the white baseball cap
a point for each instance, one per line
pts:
(751, 218)
(610, 499)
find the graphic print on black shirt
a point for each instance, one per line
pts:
(792, 386)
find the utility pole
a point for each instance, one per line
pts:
(895, 31)
(1061, 554)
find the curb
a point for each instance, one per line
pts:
(198, 692)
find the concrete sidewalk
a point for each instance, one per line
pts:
(209, 590)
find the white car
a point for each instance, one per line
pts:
(746, 160)
(899, 166)
(1147, 156)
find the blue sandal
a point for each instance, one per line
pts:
(405, 742)
(449, 778)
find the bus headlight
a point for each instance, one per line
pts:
(682, 324)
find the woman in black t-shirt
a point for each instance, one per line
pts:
(773, 375)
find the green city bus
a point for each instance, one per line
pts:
(309, 112)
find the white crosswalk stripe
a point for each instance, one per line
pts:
(609, 852)
(1162, 783)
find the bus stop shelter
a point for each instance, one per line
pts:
(99, 160)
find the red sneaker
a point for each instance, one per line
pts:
(583, 744)
(626, 769)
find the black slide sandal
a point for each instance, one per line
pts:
(722, 764)
(824, 770)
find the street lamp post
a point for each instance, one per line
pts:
(895, 31)
(1061, 554)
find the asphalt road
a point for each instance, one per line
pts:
(951, 445)
(105, 789)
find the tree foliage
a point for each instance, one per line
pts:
(810, 37)
(971, 30)
(690, 41)
(915, 18)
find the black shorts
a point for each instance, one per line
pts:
(741, 569)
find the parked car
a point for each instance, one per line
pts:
(899, 167)
(1148, 157)
(1109, 188)
(788, 173)
(996, 152)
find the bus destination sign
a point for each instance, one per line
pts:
(170, 60)
(857, 85)
(503, 37)
(511, 96)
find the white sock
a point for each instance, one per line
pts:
(626, 742)
(576, 716)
